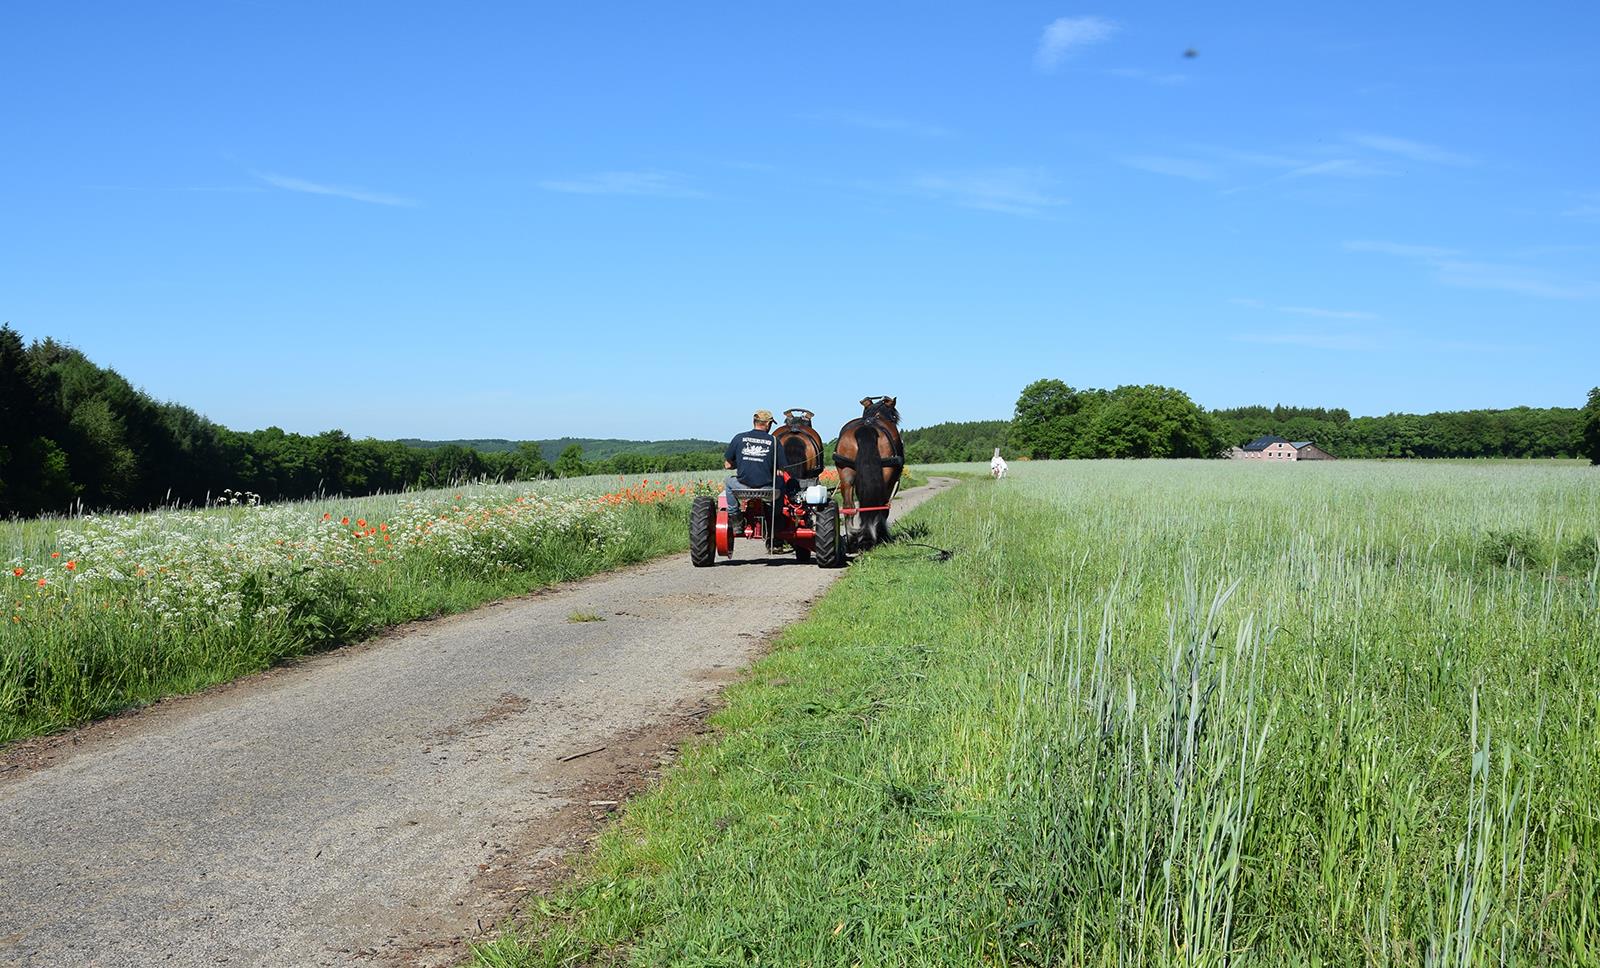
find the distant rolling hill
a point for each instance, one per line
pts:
(593, 449)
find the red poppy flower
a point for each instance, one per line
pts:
(361, 522)
(327, 516)
(345, 522)
(72, 566)
(18, 572)
(41, 583)
(55, 554)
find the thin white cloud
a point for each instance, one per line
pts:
(1150, 77)
(1315, 311)
(219, 189)
(875, 123)
(1339, 168)
(287, 183)
(1398, 249)
(1176, 167)
(1510, 278)
(660, 184)
(1013, 191)
(1452, 268)
(1352, 156)
(1258, 159)
(1587, 209)
(1389, 342)
(1477, 346)
(1326, 313)
(1312, 340)
(1066, 36)
(1408, 149)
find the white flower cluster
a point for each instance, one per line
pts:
(231, 498)
(215, 567)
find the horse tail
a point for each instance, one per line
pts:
(871, 492)
(795, 459)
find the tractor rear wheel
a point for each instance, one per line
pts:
(703, 532)
(829, 543)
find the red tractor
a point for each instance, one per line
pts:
(807, 521)
(802, 516)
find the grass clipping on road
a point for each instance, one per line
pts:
(1151, 713)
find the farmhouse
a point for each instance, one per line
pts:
(1276, 448)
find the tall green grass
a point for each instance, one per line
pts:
(1151, 714)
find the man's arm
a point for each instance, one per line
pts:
(729, 454)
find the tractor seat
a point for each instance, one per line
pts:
(743, 494)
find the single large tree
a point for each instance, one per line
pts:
(530, 463)
(570, 462)
(1043, 426)
(1151, 421)
(1590, 439)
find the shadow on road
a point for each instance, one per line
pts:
(773, 562)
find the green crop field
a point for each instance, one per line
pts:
(1150, 713)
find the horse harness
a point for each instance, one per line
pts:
(897, 459)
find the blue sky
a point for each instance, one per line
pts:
(645, 220)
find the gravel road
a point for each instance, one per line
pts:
(384, 803)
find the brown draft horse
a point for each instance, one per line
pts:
(802, 445)
(870, 457)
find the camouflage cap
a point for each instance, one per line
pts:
(763, 416)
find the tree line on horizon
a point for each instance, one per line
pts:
(1054, 420)
(74, 434)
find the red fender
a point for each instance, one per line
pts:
(724, 533)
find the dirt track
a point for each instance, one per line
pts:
(384, 803)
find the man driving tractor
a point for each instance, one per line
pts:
(763, 482)
(753, 458)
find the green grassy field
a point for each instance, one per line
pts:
(1151, 713)
(102, 613)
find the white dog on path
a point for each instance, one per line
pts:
(997, 465)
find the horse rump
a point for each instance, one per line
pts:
(874, 485)
(802, 445)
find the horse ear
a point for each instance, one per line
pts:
(890, 401)
(866, 402)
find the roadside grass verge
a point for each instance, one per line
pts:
(1157, 713)
(136, 607)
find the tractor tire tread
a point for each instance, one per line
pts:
(703, 532)
(829, 542)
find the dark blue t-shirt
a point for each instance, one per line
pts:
(752, 454)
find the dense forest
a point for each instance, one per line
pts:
(1054, 420)
(1518, 432)
(73, 434)
(958, 441)
(1590, 431)
(593, 448)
